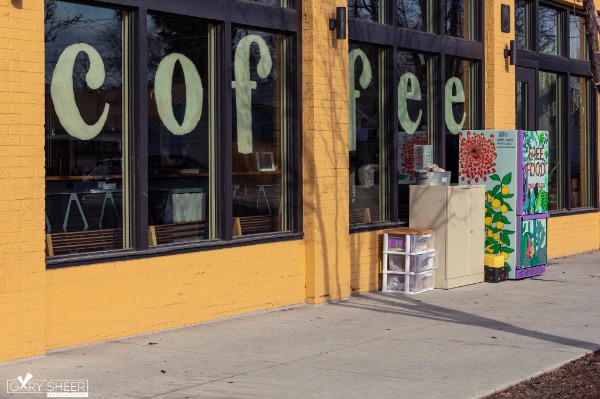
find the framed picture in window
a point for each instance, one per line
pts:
(264, 161)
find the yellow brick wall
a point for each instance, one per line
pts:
(98, 302)
(499, 75)
(325, 154)
(365, 264)
(22, 270)
(569, 235)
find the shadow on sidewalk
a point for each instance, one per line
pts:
(406, 306)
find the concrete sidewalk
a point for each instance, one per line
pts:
(461, 343)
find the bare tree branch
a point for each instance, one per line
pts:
(591, 34)
(55, 23)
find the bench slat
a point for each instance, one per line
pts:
(87, 240)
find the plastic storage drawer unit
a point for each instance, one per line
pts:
(409, 263)
(410, 283)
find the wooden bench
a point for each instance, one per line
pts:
(106, 239)
(177, 232)
(244, 225)
(83, 241)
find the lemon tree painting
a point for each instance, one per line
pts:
(499, 230)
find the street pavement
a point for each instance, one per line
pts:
(465, 342)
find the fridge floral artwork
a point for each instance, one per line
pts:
(406, 161)
(513, 165)
(477, 157)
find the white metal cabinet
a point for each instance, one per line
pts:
(457, 215)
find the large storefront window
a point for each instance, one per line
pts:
(549, 120)
(522, 33)
(561, 98)
(549, 31)
(179, 125)
(424, 96)
(460, 106)
(366, 133)
(414, 14)
(579, 145)
(85, 136)
(577, 41)
(367, 10)
(460, 18)
(414, 125)
(258, 126)
(158, 156)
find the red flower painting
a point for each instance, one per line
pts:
(408, 160)
(477, 156)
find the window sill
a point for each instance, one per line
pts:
(576, 211)
(359, 228)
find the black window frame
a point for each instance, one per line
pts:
(394, 38)
(565, 67)
(222, 14)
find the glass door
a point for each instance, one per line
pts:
(525, 99)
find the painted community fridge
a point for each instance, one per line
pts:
(513, 165)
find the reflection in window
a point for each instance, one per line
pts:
(413, 119)
(84, 129)
(578, 141)
(259, 133)
(521, 104)
(548, 26)
(521, 25)
(459, 19)
(459, 107)
(367, 10)
(549, 120)
(577, 40)
(412, 14)
(365, 134)
(178, 128)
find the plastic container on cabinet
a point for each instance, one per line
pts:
(412, 263)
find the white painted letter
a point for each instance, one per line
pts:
(63, 94)
(194, 94)
(243, 87)
(403, 94)
(364, 80)
(453, 126)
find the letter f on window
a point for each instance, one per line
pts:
(243, 86)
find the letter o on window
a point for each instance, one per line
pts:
(193, 90)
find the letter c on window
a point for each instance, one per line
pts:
(63, 94)
(194, 93)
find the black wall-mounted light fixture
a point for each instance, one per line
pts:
(505, 18)
(339, 23)
(511, 53)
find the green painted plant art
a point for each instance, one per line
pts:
(499, 234)
(535, 174)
